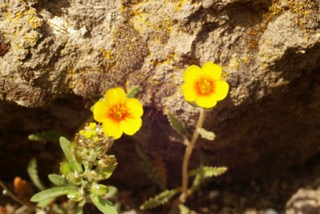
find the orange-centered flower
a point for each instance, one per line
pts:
(118, 114)
(203, 85)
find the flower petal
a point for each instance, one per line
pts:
(191, 73)
(100, 110)
(131, 125)
(212, 70)
(207, 101)
(112, 128)
(114, 96)
(135, 107)
(189, 92)
(221, 90)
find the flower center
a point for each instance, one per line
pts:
(118, 112)
(204, 86)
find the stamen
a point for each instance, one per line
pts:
(118, 112)
(204, 86)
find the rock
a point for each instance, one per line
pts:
(66, 55)
(304, 201)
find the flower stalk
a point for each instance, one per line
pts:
(187, 155)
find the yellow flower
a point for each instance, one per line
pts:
(118, 114)
(203, 85)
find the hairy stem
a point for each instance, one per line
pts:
(187, 155)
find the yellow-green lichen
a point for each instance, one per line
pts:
(33, 20)
(306, 17)
(22, 27)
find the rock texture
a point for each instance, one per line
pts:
(58, 57)
(304, 201)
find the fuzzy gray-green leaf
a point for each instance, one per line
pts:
(209, 171)
(53, 192)
(104, 206)
(177, 125)
(57, 179)
(64, 144)
(33, 174)
(205, 134)
(159, 199)
(205, 172)
(112, 191)
(45, 203)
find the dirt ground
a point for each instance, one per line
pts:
(292, 191)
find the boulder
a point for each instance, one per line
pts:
(57, 58)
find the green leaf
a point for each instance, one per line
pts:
(45, 203)
(205, 134)
(33, 174)
(149, 169)
(57, 180)
(58, 209)
(112, 191)
(103, 205)
(64, 144)
(79, 209)
(209, 171)
(52, 135)
(205, 172)
(178, 126)
(53, 192)
(132, 93)
(183, 209)
(159, 199)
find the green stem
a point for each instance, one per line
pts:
(187, 155)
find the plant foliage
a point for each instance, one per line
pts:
(45, 136)
(57, 180)
(204, 172)
(33, 174)
(150, 170)
(65, 143)
(178, 126)
(205, 134)
(103, 205)
(54, 192)
(159, 199)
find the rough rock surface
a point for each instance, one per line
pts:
(304, 201)
(58, 57)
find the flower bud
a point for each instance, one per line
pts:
(74, 196)
(65, 168)
(74, 178)
(98, 189)
(106, 166)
